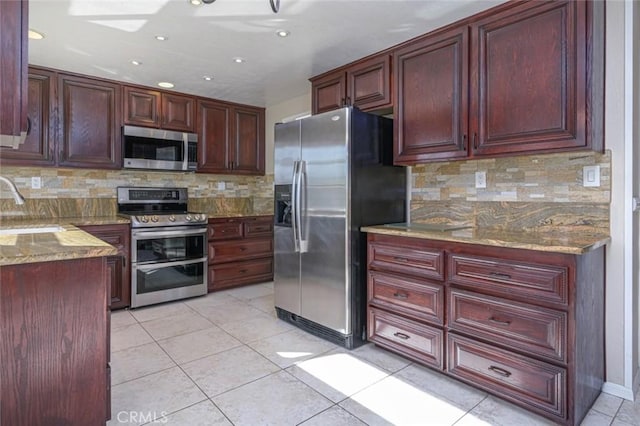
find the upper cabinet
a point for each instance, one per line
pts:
(89, 111)
(230, 138)
(153, 108)
(431, 86)
(365, 85)
(14, 122)
(38, 147)
(534, 78)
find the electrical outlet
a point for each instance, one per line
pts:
(36, 182)
(591, 176)
(481, 179)
(221, 186)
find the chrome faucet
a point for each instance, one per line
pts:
(14, 191)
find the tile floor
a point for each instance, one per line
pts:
(225, 359)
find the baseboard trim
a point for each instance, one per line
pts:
(618, 390)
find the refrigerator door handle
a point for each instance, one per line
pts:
(302, 203)
(298, 207)
(295, 211)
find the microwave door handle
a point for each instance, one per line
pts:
(185, 154)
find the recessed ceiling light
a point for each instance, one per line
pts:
(207, 78)
(34, 35)
(134, 62)
(162, 38)
(165, 84)
(283, 33)
(238, 60)
(195, 2)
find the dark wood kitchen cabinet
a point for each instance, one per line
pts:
(431, 105)
(14, 25)
(365, 84)
(90, 120)
(230, 138)
(240, 251)
(534, 78)
(118, 266)
(54, 343)
(38, 147)
(155, 108)
(524, 325)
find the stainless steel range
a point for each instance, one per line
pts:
(168, 245)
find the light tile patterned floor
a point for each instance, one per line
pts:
(225, 359)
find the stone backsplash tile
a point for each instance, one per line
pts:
(532, 178)
(86, 193)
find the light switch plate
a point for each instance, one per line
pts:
(221, 186)
(36, 182)
(591, 176)
(481, 179)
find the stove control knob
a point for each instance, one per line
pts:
(154, 218)
(188, 218)
(143, 219)
(172, 218)
(197, 217)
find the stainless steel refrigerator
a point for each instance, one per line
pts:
(333, 175)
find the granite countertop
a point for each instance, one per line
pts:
(65, 243)
(578, 242)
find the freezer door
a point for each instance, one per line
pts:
(286, 277)
(324, 195)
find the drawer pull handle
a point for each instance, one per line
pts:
(401, 335)
(243, 249)
(500, 275)
(497, 321)
(500, 371)
(401, 259)
(243, 271)
(400, 295)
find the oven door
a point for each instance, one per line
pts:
(162, 282)
(168, 263)
(168, 244)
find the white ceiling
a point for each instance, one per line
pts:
(101, 37)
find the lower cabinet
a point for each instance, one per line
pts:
(240, 251)
(524, 325)
(118, 267)
(54, 343)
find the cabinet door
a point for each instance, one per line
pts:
(328, 93)
(141, 107)
(369, 84)
(13, 72)
(119, 268)
(178, 112)
(38, 147)
(248, 137)
(90, 123)
(529, 94)
(213, 137)
(431, 82)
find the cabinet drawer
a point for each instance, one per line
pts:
(225, 230)
(227, 251)
(407, 260)
(258, 227)
(525, 381)
(529, 328)
(419, 299)
(409, 338)
(526, 281)
(237, 273)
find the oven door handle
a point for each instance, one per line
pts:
(155, 234)
(149, 267)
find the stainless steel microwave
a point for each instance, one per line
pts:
(157, 149)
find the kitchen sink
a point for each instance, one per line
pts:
(32, 230)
